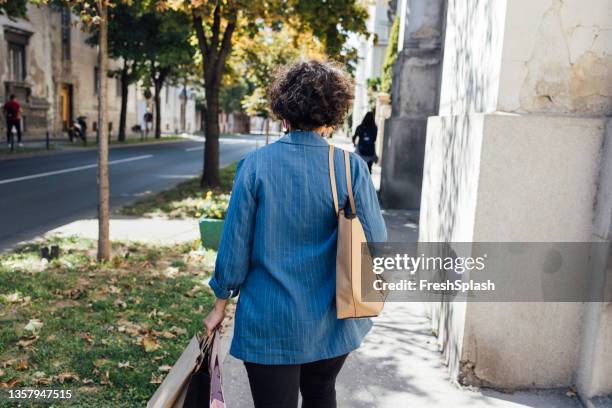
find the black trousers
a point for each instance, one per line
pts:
(277, 386)
(9, 130)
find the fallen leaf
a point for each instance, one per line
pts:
(33, 325)
(125, 365)
(120, 303)
(171, 272)
(106, 378)
(164, 368)
(86, 381)
(13, 297)
(41, 378)
(67, 377)
(167, 335)
(150, 344)
(156, 379)
(1, 372)
(8, 363)
(22, 365)
(27, 343)
(10, 383)
(178, 330)
(87, 337)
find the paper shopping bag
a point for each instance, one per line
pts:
(204, 389)
(171, 393)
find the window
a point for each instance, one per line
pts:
(17, 42)
(65, 33)
(17, 61)
(118, 86)
(96, 80)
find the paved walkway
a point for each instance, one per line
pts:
(398, 364)
(135, 229)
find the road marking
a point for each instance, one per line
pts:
(226, 141)
(72, 169)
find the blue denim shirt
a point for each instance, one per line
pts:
(278, 248)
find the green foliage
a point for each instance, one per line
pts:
(108, 331)
(13, 8)
(187, 200)
(373, 89)
(390, 57)
(231, 95)
(256, 104)
(332, 22)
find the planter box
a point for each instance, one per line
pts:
(210, 232)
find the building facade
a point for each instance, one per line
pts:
(513, 140)
(371, 55)
(46, 62)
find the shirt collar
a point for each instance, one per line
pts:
(304, 137)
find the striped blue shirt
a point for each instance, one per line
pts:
(278, 248)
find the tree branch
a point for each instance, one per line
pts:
(226, 44)
(197, 22)
(216, 27)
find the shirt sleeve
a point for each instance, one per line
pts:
(234, 255)
(366, 201)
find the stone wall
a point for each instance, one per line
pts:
(520, 151)
(416, 85)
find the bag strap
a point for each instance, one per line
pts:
(332, 178)
(349, 182)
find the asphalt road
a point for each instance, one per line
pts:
(41, 193)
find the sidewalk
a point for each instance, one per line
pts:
(151, 230)
(398, 364)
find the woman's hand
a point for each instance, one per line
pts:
(216, 316)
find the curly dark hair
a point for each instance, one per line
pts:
(311, 94)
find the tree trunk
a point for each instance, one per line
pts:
(124, 100)
(156, 99)
(210, 175)
(103, 183)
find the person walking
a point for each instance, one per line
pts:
(278, 246)
(366, 134)
(12, 111)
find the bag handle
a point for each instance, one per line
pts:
(349, 183)
(332, 178)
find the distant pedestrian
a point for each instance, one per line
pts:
(366, 135)
(148, 121)
(12, 112)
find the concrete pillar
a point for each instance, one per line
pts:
(520, 152)
(416, 80)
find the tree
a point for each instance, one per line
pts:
(258, 57)
(167, 51)
(103, 182)
(127, 36)
(216, 22)
(13, 8)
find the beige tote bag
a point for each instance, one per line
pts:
(352, 257)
